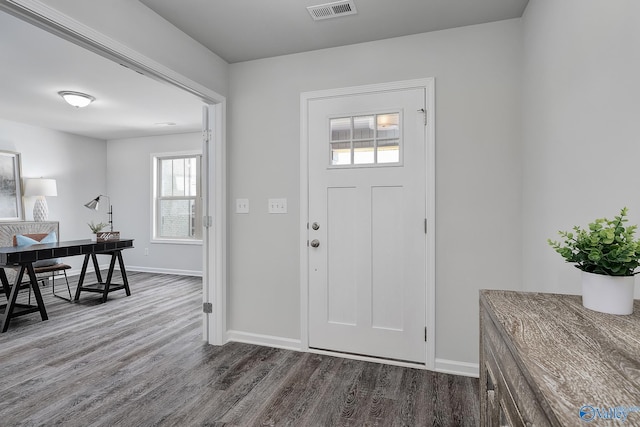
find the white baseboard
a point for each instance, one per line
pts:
(76, 272)
(196, 273)
(457, 368)
(265, 340)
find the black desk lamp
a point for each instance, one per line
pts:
(93, 204)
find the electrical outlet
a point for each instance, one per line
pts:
(277, 206)
(242, 206)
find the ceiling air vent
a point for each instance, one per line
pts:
(332, 10)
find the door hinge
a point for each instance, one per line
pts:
(207, 221)
(425, 226)
(424, 113)
(207, 307)
(425, 334)
(206, 135)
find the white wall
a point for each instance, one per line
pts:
(478, 77)
(77, 164)
(130, 186)
(581, 126)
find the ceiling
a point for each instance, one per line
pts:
(37, 65)
(252, 29)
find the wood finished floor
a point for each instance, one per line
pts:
(141, 361)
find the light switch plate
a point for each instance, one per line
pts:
(242, 206)
(277, 206)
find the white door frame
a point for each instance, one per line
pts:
(214, 143)
(429, 85)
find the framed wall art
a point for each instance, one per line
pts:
(11, 208)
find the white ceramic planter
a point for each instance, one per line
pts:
(608, 294)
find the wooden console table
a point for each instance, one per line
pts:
(23, 258)
(546, 360)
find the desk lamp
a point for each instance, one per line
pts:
(93, 204)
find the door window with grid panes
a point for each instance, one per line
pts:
(365, 140)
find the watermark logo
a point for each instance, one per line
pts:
(590, 413)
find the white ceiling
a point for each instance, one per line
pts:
(36, 65)
(252, 29)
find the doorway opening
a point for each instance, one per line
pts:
(213, 191)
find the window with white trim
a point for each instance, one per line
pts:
(177, 201)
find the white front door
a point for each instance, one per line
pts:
(367, 211)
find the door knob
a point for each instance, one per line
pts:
(315, 243)
(315, 225)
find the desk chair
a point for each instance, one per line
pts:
(47, 268)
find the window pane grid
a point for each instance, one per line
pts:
(365, 139)
(178, 201)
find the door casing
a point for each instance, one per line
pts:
(429, 85)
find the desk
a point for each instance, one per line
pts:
(24, 257)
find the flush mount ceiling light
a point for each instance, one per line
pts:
(76, 99)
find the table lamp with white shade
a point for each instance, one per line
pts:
(40, 188)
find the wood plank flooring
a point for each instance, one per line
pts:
(140, 361)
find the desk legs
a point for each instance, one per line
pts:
(5, 283)
(36, 291)
(12, 296)
(125, 282)
(103, 287)
(83, 272)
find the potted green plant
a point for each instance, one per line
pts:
(96, 228)
(608, 255)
